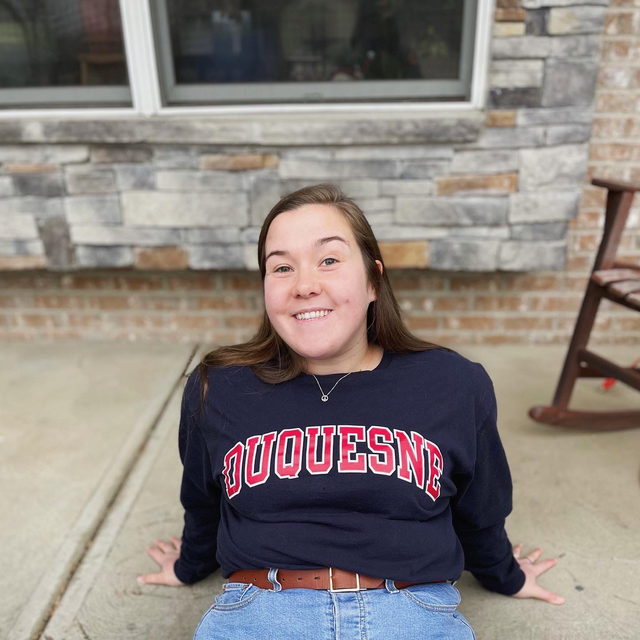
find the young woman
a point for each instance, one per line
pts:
(340, 471)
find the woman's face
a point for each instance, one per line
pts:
(313, 275)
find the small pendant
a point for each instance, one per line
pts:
(325, 398)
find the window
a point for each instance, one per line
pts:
(62, 53)
(310, 51)
(155, 57)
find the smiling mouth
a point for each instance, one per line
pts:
(309, 320)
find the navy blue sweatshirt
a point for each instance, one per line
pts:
(401, 474)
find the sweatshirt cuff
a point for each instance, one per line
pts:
(189, 576)
(512, 584)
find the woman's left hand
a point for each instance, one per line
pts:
(531, 570)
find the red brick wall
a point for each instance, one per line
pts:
(225, 307)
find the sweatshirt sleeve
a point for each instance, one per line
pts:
(199, 494)
(480, 507)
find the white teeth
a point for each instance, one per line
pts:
(312, 314)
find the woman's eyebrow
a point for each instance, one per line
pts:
(316, 244)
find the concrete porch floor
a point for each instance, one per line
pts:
(90, 476)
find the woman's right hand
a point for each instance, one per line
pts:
(165, 555)
(531, 589)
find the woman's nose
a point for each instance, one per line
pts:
(305, 289)
(306, 283)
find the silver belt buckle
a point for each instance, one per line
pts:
(356, 588)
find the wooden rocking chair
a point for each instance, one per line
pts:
(620, 283)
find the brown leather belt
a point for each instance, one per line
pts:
(328, 578)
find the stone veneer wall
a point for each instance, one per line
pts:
(446, 194)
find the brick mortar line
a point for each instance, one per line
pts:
(602, 90)
(441, 329)
(113, 294)
(410, 296)
(464, 333)
(615, 163)
(465, 313)
(620, 116)
(617, 10)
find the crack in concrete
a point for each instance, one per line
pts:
(627, 600)
(84, 633)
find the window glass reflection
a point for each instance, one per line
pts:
(288, 41)
(61, 43)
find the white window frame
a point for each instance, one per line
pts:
(147, 99)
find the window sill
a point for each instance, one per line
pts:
(286, 128)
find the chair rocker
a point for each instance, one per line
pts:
(615, 281)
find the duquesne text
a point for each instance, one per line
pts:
(417, 460)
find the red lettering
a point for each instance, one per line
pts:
(292, 468)
(381, 450)
(235, 455)
(435, 470)
(325, 465)
(346, 464)
(411, 457)
(252, 477)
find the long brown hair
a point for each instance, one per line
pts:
(269, 357)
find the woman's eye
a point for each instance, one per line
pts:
(283, 267)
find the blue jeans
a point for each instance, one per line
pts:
(244, 611)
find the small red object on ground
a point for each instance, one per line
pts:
(607, 383)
